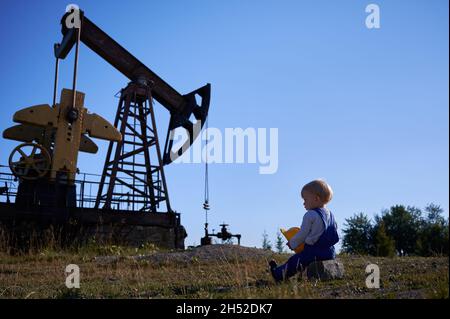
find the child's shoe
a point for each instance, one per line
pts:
(272, 266)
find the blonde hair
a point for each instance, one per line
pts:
(320, 188)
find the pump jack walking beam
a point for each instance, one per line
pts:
(181, 107)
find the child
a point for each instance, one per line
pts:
(318, 232)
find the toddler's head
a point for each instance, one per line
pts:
(316, 194)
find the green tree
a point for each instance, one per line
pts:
(433, 237)
(403, 224)
(435, 214)
(357, 234)
(279, 245)
(266, 244)
(384, 245)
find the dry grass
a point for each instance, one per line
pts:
(223, 272)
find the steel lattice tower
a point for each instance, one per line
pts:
(133, 173)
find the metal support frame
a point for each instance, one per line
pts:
(133, 171)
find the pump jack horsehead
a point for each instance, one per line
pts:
(45, 164)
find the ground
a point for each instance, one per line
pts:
(217, 271)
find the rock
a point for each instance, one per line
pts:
(325, 270)
(210, 253)
(105, 260)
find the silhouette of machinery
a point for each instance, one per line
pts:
(45, 164)
(224, 234)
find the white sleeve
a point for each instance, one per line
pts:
(305, 229)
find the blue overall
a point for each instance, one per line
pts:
(323, 249)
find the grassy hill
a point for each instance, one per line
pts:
(218, 271)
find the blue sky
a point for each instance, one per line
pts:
(365, 109)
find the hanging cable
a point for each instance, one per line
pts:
(55, 85)
(75, 66)
(206, 164)
(206, 203)
(72, 114)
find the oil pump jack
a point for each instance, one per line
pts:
(132, 185)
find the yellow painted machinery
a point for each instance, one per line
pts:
(46, 183)
(52, 138)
